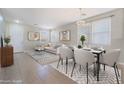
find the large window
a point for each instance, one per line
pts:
(101, 31)
(54, 36)
(84, 30)
(44, 36)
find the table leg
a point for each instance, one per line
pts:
(98, 67)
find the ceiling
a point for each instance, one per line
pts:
(49, 18)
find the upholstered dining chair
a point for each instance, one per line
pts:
(83, 58)
(110, 59)
(65, 53)
(121, 67)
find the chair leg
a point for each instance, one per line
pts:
(116, 74)
(104, 67)
(74, 59)
(66, 65)
(79, 67)
(94, 69)
(117, 71)
(87, 72)
(73, 69)
(62, 62)
(58, 62)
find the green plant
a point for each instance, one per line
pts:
(7, 40)
(82, 39)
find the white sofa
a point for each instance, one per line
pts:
(52, 48)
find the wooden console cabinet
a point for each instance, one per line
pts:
(6, 56)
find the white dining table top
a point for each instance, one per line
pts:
(93, 50)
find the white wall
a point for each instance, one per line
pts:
(15, 31)
(19, 36)
(29, 45)
(1, 26)
(73, 29)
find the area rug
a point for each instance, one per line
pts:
(79, 75)
(43, 57)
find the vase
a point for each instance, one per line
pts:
(7, 44)
(82, 44)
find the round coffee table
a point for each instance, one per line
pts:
(39, 48)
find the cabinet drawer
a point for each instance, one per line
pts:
(9, 60)
(9, 51)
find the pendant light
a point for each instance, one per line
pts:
(82, 14)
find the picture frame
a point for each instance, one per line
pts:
(64, 35)
(33, 36)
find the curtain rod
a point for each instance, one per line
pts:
(97, 18)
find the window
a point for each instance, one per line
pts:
(101, 32)
(84, 30)
(54, 36)
(44, 35)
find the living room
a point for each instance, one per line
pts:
(39, 37)
(65, 46)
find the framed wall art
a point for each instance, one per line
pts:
(64, 35)
(34, 36)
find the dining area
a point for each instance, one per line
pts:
(97, 58)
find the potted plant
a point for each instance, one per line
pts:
(82, 39)
(79, 46)
(7, 40)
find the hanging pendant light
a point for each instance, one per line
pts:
(81, 22)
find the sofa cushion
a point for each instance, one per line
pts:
(51, 50)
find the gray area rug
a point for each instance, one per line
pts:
(106, 77)
(43, 57)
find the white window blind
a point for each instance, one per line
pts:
(101, 31)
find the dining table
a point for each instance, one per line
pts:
(97, 53)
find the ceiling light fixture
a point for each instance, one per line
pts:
(82, 14)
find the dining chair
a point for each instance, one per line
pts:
(121, 67)
(110, 59)
(83, 58)
(65, 53)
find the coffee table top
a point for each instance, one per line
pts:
(39, 48)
